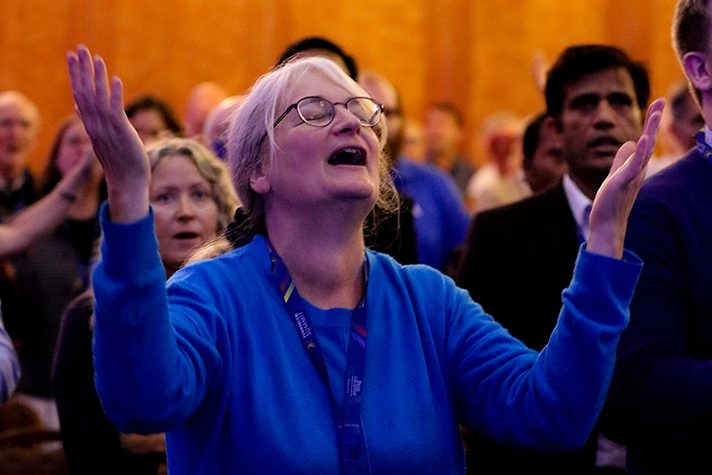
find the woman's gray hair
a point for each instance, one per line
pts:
(209, 166)
(251, 141)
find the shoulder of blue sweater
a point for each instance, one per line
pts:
(384, 266)
(252, 257)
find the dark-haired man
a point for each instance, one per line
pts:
(659, 401)
(543, 155)
(520, 257)
(323, 47)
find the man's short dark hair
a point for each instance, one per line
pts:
(530, 139)
(691, 30)
(691, 27)
(319, 42)
(578, 61)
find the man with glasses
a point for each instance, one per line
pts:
(519, 258)
(19, 122)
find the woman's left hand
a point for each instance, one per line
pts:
(615, 197)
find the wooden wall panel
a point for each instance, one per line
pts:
(476, 53)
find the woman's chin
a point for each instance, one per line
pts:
(367, 194)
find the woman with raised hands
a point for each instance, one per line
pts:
(303, 352)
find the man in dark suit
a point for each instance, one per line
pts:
(659, 399)
(519, 258)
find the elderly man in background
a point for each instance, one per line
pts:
(19, 122)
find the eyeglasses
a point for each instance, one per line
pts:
(319, 112)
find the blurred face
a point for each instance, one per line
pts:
(413, 142)
(600, 113)
(202, 100)
(185, 212)
(547, 165)
(74, 145)
(321, 165)
(218, 124)
(150, 125)
(442, 132)
(18, 129)
(505, 145)
(386, 95)
(689, 122)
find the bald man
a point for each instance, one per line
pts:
(19, 122)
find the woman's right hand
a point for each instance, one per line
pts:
(77, 177)
(614, 199)
(115, 142)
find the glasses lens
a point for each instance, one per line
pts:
(366, 109)
(315, 110)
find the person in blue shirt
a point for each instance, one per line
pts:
(9, 365)
(304, 352)
(440, 218)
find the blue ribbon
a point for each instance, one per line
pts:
(353, 449)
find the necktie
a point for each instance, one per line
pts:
(584, 222)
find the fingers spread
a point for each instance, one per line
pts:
(652, 124)
(117, 96)
(656, 106)
(73, 66)
(86, 69)
(100, 82)
(623, 154)
(632, 158)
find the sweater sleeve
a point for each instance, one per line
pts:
(549, 400)
(148, 376)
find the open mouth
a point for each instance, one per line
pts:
(604, 147)
(348, 156)
(186, 235)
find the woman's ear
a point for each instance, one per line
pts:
(259, 182)
(697, 69)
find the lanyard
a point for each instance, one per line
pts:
(352, 446)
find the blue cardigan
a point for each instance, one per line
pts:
(216, 362)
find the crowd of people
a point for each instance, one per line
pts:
(299, 279)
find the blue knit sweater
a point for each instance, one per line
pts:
(216, 362)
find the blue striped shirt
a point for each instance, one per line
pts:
(9, 365)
